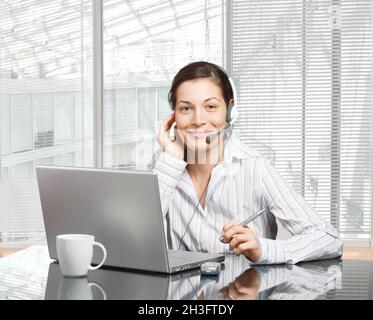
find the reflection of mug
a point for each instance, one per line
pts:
(75, 252)
(77, 289)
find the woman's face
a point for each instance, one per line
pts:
(200, 110)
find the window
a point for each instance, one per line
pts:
(5, 124)
(43, 120)
(303, 72)
(22, 124)
(302, 69)
(46, 106)
(64, 117)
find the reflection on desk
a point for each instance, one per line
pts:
(110, 284)
(241, 281)
(30, 274)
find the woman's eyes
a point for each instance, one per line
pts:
(209, 107)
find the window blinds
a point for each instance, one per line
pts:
(46, 107)
(302, 69)
(303, 72)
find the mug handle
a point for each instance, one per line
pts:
(103, 258)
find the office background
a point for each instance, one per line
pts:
(85, 83)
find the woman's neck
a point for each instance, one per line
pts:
(199, 172)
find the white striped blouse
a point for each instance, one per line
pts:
(243, 184)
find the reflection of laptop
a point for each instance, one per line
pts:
(113, 284)
(121, 209)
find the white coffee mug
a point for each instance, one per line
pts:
(75, 252)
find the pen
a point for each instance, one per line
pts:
(248, 220)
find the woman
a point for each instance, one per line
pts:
(208, 187)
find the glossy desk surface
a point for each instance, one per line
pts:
(31, 274)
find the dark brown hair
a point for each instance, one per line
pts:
(201, 69)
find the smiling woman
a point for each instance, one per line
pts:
(197, 116)
(206, 190)
(201, 97)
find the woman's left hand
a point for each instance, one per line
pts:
(242, 240)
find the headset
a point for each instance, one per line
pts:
(232, 115)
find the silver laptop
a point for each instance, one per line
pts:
(120, 208)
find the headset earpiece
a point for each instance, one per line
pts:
(171, 133)
(232, 106)
(232, 113)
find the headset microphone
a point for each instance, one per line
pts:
(232, 114)
(211, 137)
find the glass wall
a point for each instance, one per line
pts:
(46, 104)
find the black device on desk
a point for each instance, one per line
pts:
(210, 268)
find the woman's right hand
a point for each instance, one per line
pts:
(174, 148)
